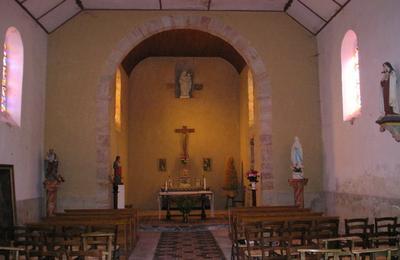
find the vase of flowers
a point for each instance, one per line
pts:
(252, 176)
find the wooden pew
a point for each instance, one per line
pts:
(133, 213)
(234, 211)
(90, 221)
(263, 214)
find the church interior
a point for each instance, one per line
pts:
(203, 121)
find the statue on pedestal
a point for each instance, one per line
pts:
(297, 159)
(117, 178)
(52, 182)
(390, 90)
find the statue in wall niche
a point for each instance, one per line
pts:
(52, 181)
(297, 159)
(185, 84)
(390, 90)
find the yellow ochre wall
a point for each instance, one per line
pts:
(78, 51)
(154, 113)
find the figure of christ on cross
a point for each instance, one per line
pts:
(185, 131)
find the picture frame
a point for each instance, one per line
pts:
(162, 165)
(207, 164)
(8, 216)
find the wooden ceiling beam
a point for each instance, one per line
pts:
(333, 16)
(31, 15)
(311, 10)
(51, 9)
(336, 2)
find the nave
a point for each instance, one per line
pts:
(265, 232)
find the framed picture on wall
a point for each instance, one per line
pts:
(7, 196)
(207, 164)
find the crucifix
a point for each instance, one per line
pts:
(185, 131)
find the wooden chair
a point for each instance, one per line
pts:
(14, 252)
(382, 230)
(94, 244)
(239, 240)
(359, 227)
(260, 247)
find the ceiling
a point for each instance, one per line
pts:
(183, 43)
(313, 15)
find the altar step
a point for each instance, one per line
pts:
(149, 222)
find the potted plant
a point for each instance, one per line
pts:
(231, 183)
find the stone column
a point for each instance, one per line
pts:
(298, 188)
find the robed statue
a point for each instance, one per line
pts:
(297, 159)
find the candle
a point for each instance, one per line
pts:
(204, 183)
(166, 186)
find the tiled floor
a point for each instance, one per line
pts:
(147, 244)
(151, 228)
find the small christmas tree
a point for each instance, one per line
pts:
(231, 180)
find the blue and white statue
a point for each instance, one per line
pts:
(297, 159)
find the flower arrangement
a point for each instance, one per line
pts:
(252, 175)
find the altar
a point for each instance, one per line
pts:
(185, 193)
(203, 195)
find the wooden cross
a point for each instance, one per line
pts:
(185, 131)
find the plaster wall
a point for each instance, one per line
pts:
(155, 113)
(361, 164)
(79, 49)
(119, 137)
(23, 146)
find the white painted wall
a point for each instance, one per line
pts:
(23, 146)
(358, 159)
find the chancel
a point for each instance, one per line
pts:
(175, 89)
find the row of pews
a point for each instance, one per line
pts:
(75, 233)
(285, 232)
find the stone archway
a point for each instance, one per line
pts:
(262, 92)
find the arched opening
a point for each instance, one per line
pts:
(12, 77)
(350, 77)
(262, 124)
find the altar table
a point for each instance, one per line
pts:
(207, 193)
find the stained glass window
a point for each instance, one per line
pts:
(350, 77)
(12, 68)
(250, 89)
(3, 96)
(117, 116)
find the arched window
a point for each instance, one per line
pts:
(12, 75)
(250, 94)
(117, 115)
(350, 77)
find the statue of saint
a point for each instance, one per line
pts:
(185, 84)
(390, 90)
(53, 180)
(117, 171)
(297, 159)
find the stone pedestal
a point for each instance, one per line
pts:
(298, 189)
(51, 196)
(121, 196)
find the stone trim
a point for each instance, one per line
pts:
(263, 112)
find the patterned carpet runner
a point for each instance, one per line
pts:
(188, 245)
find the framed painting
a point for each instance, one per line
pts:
(7, 196)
